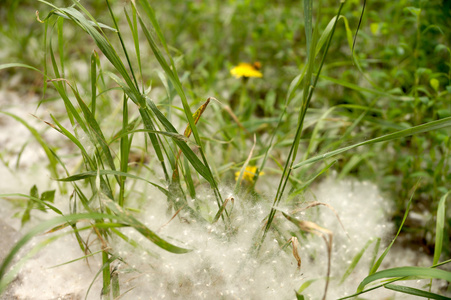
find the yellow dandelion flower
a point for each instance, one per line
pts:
(247, 70)
(248, 174)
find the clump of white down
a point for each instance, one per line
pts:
(220, 265)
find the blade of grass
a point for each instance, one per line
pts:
(125, 151)
(94, 60)
(430, 126)
(325, 234)
(306, 184)
(41, 228)
(171, 72)
(308, 16)
(305, 104)
(189, 154)
(48, 152)
(440, 228)
(133, 24)
(388, 281)
(377, 264)
(34, 199)
(355, 261)
(366, 90)
(141, 228)
(415, 292)
(405, 271)
(120, 39)
(88, 174)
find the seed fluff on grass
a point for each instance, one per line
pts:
(222, 265)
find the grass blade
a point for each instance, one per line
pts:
(48, 152)
(141, 228)
(440, 228)
(415, 292)
(381, 258)
(308, 23)
(88, 174)
(307, 96)
(189, 154)
(171, 73)
(406, 271)
(430, 126)
(355, 261)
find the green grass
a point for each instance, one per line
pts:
(380, 111)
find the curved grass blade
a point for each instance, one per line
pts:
(35, 199)
(367, 90)
(49, 153)
(433, 125)
(406, 271)
(94, 125)
(9, 277)
(308, 182)
(119, 36)
(172, 135)
(222, 209)
(121, 217)
(141, 228)
(132, 242)
(355, 261)
(189, 154)
(74, 140)
(358, 26)
(42, 227)
(388, 281)
(381, 258)
(19, 65)
(415, 292)
(440, 228)
(307, 96)
(104, 45)
(88, 174)
(171, 73)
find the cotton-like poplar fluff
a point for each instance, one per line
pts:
(221, 264)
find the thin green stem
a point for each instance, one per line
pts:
(293, 150)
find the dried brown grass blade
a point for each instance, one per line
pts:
(295, 245)
(187, 133)
(317, 203)
(324, 233)
(175, 215)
